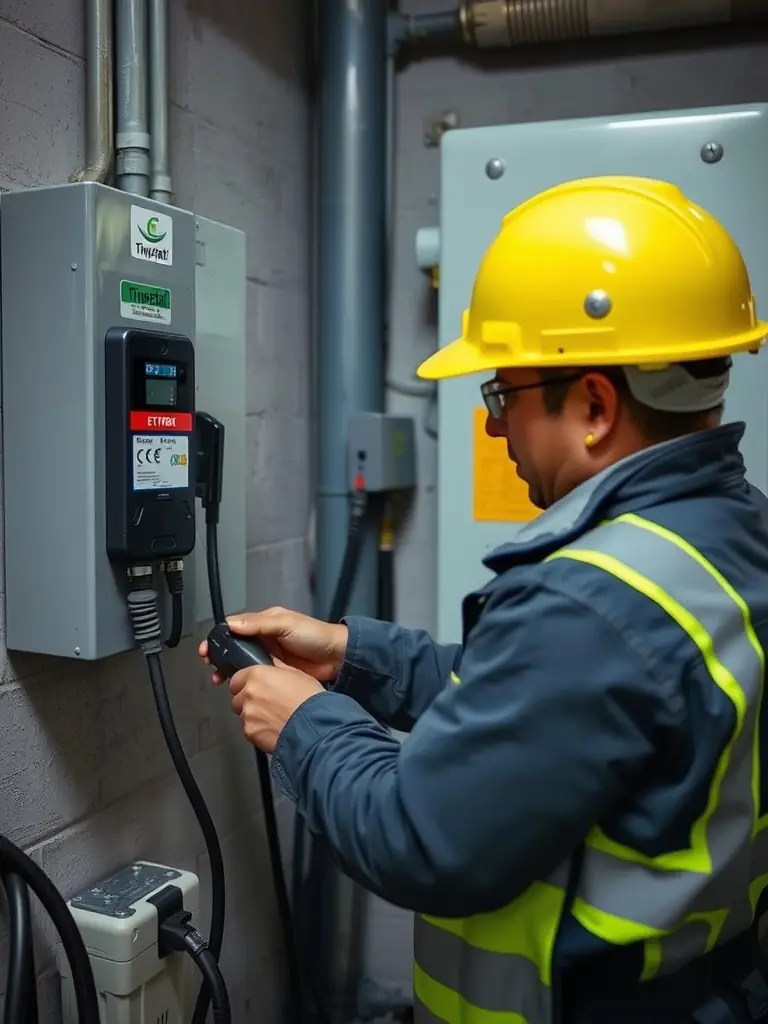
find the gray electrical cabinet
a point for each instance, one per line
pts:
(382, 448)
(481, 501)
(76, 260)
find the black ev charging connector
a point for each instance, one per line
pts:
(177, 934)
(209, 446)
(209, 437)
(209, 442)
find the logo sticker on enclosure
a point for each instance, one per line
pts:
(145, 302)
(151, 236)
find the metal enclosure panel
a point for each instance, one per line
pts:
(63, 253)
(221, 389)
(537, 156)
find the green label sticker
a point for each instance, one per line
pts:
(145, 302)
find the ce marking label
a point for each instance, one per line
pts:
(148, 456)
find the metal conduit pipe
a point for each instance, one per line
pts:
(132, 141)
(432, 27)
(505, 23)
(99, 93)
(351, 199)
(351, 272)
(160, 172)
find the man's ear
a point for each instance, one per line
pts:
(601, 402)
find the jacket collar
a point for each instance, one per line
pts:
(705, 461)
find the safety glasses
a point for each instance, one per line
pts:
(496, 392)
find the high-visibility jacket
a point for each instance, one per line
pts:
(578, 817)
(497, 968)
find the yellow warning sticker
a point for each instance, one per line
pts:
(500, 496)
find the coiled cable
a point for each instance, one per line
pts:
(21, 982)
(14, 861)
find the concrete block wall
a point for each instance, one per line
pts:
(614, 77)
(85, 781)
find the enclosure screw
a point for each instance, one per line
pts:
(77, 651)
(494, 168)
(711, 152)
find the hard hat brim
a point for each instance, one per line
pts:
(457, 359)
(461, 358)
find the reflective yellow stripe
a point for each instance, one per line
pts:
(450, 1007)
(756, 889)
(616, 930)
(697, 858)
(498, 982)
(620, 932)
(526, 927)
(454, 679)
(652, 949)
(660, 531)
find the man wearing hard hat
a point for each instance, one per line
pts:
(579, 816)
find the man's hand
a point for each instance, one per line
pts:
(265, 697)
(314, 647)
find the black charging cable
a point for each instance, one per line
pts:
(345, 582)
(21, 980)
(210, 463)
(145, 620)
(174, 578)
(209, 438)
(20, 874)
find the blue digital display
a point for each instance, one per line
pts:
(159, 370)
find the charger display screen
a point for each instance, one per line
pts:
(161, 391)
(163, 370)
(161, 384)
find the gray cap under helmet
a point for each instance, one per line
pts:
(680, 387)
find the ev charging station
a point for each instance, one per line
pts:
(122, 320)
(104, 365)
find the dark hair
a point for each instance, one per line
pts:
(655, 426)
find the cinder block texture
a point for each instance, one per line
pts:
(86, 783)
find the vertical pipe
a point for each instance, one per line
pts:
(132, 142)
(351, 291)
(160, 169)
(99, 92)
(391, 169)
(351, 266)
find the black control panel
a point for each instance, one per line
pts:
(150, 449)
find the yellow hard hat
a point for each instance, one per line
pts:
(605, 271)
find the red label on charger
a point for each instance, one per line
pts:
(163, 422)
